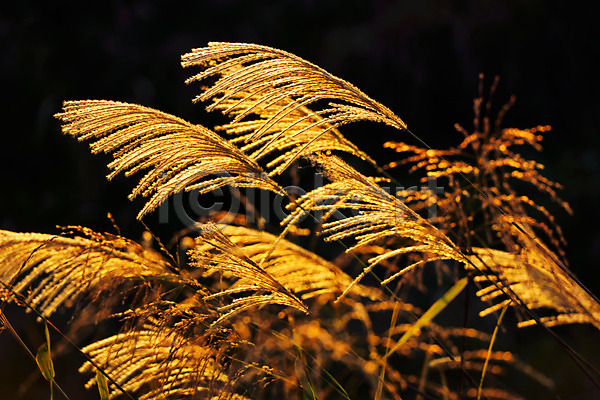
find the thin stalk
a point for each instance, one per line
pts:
(489, 352)
(387, 346)
(424, 373)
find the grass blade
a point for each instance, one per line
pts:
(430, 314)
(102, 385)
(44, 358)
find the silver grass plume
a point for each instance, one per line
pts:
(179, 155)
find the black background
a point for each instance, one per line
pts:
(421, 59)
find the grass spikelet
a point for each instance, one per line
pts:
(179, 155)
(278, 87)
(380, 216)
(224, 256)
(52, 270)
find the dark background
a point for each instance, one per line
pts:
(421, 59)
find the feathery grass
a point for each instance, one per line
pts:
(248, 314)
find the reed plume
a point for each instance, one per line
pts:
(178, 154)
(279, 87)
(483, 171)
(50, 270)
(380, 216)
